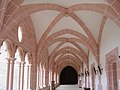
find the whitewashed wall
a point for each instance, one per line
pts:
(110, 40)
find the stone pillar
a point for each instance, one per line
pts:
(47, 76)
(33, 76)
(56, 78)
(38, 78)
(41, 77)
(89, 81)
(22, 75)
(8, 74)
(11, 73)
(28, 81)
(19, 75)
(44, 77)
(53, 73)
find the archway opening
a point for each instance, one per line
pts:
(68, 76)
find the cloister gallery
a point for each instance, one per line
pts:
(47, 43)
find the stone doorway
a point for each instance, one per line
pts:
(112, 69)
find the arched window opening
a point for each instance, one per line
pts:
(3, 66)
(20, 34)
(17, 69)
(26, 73)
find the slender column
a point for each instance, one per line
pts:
(44, 78)
(38, 78)
(27, 76)
(56, 78)
(41, 76)
(22, 74)
(11, 72)
(88, 81)
(53, 74)
(47, 77)
(28, 88)
(19, 76)
(8, 74)
(85, 81)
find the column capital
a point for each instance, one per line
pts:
(23, 62)
(11, 59)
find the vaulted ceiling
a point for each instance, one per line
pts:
(70, 28)
(80, 24)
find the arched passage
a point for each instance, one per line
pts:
(68, 76)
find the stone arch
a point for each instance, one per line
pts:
(28, 57)
(11, 48)
(22, 54)
(28, 27)
(80, 41)
(72, 42)
(67, 57)
(68, 61)
(68, 75)
(29, 9)
(65, 49)
(72, 32)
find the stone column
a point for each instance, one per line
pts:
(89, 81)
(38, 78)
(22, 74)
(53, 74)
(41, 77)
(8, 74)
(47, 76)
(28, 81)
(56, 78)
(11, 73)
(44, 70)
(27, 76)
(19, 75)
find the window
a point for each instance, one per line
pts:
(20, 34)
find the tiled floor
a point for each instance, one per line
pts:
(69, 87)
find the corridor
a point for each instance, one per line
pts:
(70, 43)
(69, 87)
